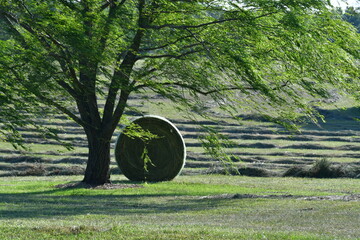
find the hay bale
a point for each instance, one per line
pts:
(167, 151)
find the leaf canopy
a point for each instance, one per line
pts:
(256, 54)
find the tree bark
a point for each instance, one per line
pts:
(98, 166)
(101, 130)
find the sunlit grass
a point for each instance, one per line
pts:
(186, 208)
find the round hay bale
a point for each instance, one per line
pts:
(166, 152)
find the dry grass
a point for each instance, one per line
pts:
(324, 169)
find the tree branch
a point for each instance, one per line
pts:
(110, 3)
(61, 108)
(165, 45)
(43, 98)
(190, 26)
(68, 88)
(169, 55)
(175, 26)
(202, 92)
(25, 26)
(194, 88)
(66, 57)
(26, 8)
(70, 5)
(60, 58)
(121, 76)
(144, 74)
(13, 29)
(110, 17)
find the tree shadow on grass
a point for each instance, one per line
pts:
(52, 203)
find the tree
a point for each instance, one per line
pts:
(67, 54)
(352, 15)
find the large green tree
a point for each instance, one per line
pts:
(68, 54)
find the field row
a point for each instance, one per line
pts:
(254, 143)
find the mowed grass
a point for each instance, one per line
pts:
(257, 142)
(190, 207)
(194, 206)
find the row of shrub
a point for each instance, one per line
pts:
(320, 169)
(324, 169)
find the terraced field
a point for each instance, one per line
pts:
(257, 144)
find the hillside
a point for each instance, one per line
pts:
(257, 144)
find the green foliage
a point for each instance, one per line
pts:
(134, 130)
(352, 15)
(272, 57)
(146, 159)
(215, 144)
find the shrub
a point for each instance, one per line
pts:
(323, 168)
(243, 171)
(296, 171)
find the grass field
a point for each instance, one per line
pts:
(196, 205)
(190, 207)
(257, 143)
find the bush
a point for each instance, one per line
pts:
(295, 171)
(323, 168)
(243, 171)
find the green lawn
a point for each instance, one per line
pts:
(190, 207)
(193, 206)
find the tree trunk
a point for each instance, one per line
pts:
(98, 166)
